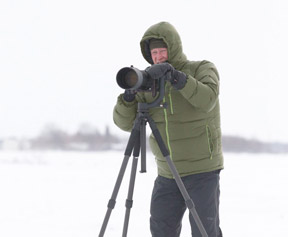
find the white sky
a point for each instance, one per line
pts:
(59, 59)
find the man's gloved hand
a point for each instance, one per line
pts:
(158, 70)
(129, 95)
(178, 79)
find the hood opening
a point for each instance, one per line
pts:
(170, 36)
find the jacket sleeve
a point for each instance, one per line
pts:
(124, 113)
(202, 90)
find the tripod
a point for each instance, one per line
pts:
(137, 142)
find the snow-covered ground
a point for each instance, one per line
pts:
(65, 194)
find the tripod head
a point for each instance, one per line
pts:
(144, 107)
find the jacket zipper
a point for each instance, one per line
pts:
(170, 100)
(166, 129)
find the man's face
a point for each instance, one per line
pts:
(159, 55)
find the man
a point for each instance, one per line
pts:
(190, 128)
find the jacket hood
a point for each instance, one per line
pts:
(170, 36)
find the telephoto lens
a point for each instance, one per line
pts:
(133, 78)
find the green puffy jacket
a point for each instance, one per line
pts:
(190, 125)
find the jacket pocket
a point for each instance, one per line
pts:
(209, 141)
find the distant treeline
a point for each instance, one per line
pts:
(239, 144)
(87, 138)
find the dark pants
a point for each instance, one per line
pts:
(168, 205)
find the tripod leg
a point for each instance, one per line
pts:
(143, 146)
(111, 204)
(112, 201)
(188, 200)
(129, 200)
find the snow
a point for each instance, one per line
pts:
(65, 194)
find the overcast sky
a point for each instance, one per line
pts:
(59, 59)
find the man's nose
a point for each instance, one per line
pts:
(158, 56)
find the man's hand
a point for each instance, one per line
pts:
(178, 79)
(129, 95)
(157, 71)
